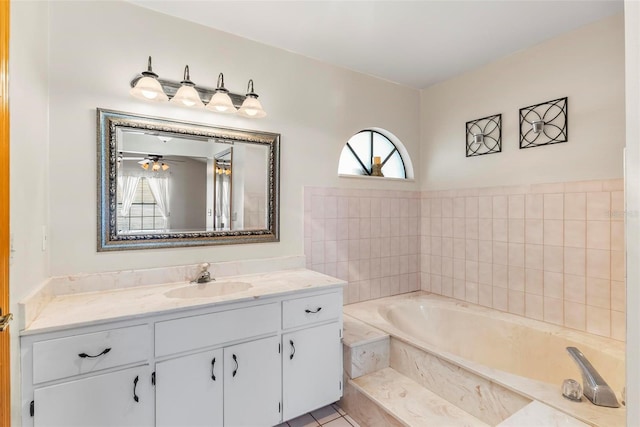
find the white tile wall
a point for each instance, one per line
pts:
(368, 237)
(552, 252)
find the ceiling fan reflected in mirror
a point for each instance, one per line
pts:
(154, 163)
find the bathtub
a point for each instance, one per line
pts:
(525, 356)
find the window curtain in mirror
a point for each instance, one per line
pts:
(129, 186)
(223, 202)
(160, 189)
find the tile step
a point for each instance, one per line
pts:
(410, 403)
(357, 333)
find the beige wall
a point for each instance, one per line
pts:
(97, 47)
(586, 65)
(29, 101)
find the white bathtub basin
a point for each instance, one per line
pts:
(208, 290)
(523, 355)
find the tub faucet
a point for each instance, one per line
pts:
(595, 388)
(204, 276)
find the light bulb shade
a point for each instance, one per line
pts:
(149, 89)
(145, 166)
(155, 167)
(165, 166)
(187, 96)
(251, 108)
(221, 103)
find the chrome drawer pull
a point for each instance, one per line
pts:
(317, 310)
(85, 355)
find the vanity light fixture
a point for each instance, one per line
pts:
(187, 95)
(148, 86)
(251, 107)
(221, 101)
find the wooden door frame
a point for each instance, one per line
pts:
(5, 372)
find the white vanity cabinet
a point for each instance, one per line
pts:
(189, 390)
(235, 386)
(121, 398)
(217, 387)
(91, 379)
(251, 363)
(312, 356)
(252, 384)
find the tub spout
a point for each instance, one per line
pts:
(595, 387)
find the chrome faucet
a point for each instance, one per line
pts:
(204, 276)
(595, 388)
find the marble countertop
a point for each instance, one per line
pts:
(91, 308)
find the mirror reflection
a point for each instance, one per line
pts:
(180, 184)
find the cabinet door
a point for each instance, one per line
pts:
(312, 369)
(189, 390)
(252, 383)
(122, 398)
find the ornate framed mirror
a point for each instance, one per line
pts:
(164, 183)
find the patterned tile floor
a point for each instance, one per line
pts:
(330, 416)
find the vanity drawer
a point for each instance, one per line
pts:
(207, 330)
(317, 308)
(79, 354)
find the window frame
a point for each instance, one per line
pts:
(368, 172)
(140, 195)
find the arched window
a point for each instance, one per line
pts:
(370, 145)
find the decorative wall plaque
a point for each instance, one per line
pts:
(544, 124)
(484, 136)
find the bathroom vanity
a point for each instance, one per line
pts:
(245, 350)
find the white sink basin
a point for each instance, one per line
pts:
(212, 289)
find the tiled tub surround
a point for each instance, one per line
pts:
(552, 252)
(368, 237)
(487, 363)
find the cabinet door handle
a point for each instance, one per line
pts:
(135, 385)
(293, 350)
(317, 310)
(85, 355)
(213, 364)
(235, 371)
